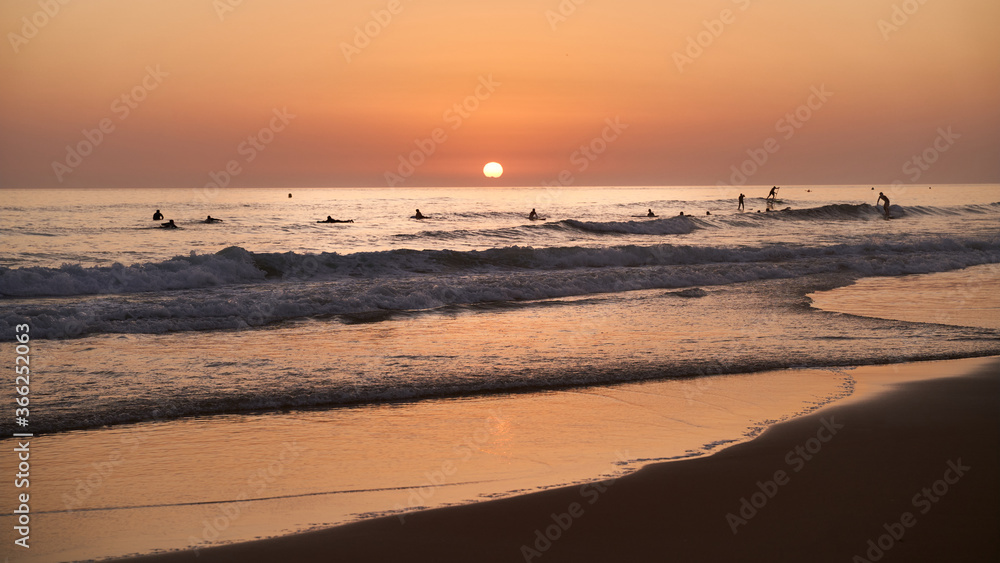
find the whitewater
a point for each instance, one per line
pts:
(364, 305)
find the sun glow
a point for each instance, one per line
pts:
(493, 170)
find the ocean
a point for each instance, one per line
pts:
(264, 332)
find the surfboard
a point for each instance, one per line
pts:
(538, 219)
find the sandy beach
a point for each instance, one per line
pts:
(521, 281)
(901, 471)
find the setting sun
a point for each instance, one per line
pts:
(493, 170)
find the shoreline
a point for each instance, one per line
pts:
(860, 472)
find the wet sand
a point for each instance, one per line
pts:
(901, 471)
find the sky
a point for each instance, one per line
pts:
(400, 93)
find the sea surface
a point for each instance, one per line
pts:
(88, 268)
(271, 318)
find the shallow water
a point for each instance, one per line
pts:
(385, 344)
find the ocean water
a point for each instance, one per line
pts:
(270, 325)
(374, 302)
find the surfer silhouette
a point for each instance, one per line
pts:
(651, 214)
(332, 220)
(532, 215)
(740, 206)
(418, 215)
(773, 194)
(885, 206)
(168, 225)
(157, 216)
(211, 219)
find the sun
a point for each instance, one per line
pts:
(493, 170)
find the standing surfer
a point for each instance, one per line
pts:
(740, 206)
(885, 206)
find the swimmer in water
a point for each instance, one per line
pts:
(168, 225)
(211, 219)
(157, 216)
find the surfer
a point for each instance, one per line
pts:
(651, 214)
(332, 220)
(157, 216)
(885, 207)
(773, 194)
(740, 206)
(532, 216)
(418, 215)
(211, 219)
(168, 225)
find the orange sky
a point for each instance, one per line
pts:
(547, 84)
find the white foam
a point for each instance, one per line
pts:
(333, 284)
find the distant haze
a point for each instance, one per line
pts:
(242, 93)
